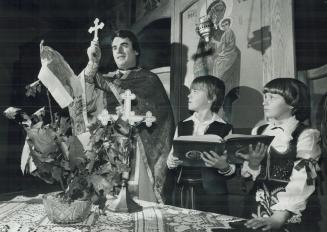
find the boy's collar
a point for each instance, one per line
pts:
(285, 125)
(128, 69)
(215, 117)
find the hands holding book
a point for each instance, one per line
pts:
(212, 159)
(255, 156)
(173, 162)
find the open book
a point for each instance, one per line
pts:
(189, 148)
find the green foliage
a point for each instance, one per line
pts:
(60, 157)
(82, 174)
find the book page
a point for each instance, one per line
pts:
(200, 138)
(240, 136)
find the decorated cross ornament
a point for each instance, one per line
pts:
(129, 115)
(95, 29)
(126, 113)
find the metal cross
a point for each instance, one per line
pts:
(95, 29)
(126, 113)
(129, 115)
(127, 96)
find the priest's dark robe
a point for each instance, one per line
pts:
(154, 143)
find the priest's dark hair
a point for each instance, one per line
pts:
(215, 90)
(131, 36)
(294, 92)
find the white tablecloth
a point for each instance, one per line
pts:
(24, 214)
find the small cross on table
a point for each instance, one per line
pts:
(95, 29)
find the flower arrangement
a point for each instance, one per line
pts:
(83, 171)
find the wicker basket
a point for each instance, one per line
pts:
(62, 212)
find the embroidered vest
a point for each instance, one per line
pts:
(278, 166)
(212, 181)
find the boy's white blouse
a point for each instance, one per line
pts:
(297, 191)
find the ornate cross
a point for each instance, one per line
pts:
(127, 96)
(129, 115)
(95, 29)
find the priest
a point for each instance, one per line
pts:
(103, 91)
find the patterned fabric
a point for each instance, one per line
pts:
(27, 214)
(278, 166)
(267, 196)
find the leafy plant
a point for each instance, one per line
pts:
(83, 171)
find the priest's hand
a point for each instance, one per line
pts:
(94, 52)
(172, 161)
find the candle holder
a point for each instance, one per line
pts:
(124, 202)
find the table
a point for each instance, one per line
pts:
(27, 214)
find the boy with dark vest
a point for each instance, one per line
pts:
(205, 99)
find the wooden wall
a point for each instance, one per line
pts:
(279, 58)
(264, 36)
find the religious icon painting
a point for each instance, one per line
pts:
(244, 43)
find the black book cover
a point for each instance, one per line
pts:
(189, 148)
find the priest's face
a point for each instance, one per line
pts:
(124, 53)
